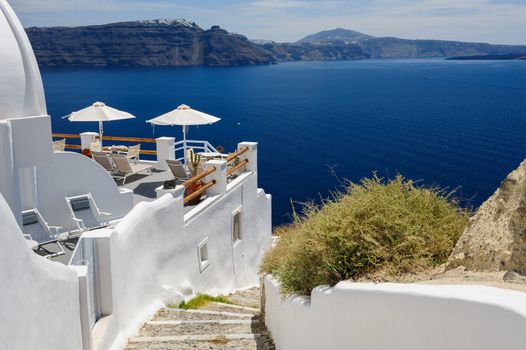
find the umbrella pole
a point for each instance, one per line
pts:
(184, 144)
(100, 132)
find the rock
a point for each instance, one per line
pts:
(512, 276)
(495, 239)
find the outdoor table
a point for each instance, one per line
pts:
(115, 149)
(212, 155)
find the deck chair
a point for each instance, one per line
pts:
(103, 160)
(125, 169)
(85, 214)
(95, 146)
(59, 145)
(35, 228)
(134, 152)
(178, 170)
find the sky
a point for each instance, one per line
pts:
(494, 21)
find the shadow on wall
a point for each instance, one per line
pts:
(34, 292)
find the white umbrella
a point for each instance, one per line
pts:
(98, 112)
(184, 116)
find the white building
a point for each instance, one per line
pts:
(148, 252)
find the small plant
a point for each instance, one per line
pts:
(201, 300)
(378, 229)
(194, 161)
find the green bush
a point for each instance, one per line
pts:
(376, 229)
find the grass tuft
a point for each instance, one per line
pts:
(377, 229)
(201, 300)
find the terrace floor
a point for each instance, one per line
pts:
(144, 185)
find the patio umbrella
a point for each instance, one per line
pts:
(98, 112)
(184, 116)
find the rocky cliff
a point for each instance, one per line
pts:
(311, 52)
(144, 43)
(495, 239)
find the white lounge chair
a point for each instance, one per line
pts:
(103, 160)
(85, 214)
(126, 169)
(178, 170)
(38, 233)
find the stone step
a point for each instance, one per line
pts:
(224, 306)
(178, 322)
(220, 307)
(200, 329)
(218, 342)
(247, 297)
(186, 315)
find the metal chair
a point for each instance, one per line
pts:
(36, 229)
(85, 214)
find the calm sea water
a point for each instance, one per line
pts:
(442, 122)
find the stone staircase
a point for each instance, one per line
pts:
(215, 326)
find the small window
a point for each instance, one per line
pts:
(236, 226)
(202, 254)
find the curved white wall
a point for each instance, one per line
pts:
(39, 301)
(73, 174)
(21, 91)
(365, 316)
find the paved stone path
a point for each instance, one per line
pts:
(215, 326)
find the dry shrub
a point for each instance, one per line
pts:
(377, 227)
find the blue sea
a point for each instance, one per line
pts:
(446, 123)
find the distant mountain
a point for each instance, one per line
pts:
(167, 42)
(332, 42)
(144, 43)
(338, 34)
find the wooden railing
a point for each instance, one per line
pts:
(237, 167)
(233, 156)
(199, 192)
(203, 189)
(108, 138)
(66, 136)
(127, 139)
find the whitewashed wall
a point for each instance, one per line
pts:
(73, 174)
(39, 299)
(365, 316)
(153, 255)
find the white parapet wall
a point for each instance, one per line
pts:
(366, 316)
(39, 299)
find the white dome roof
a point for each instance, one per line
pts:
(21, 91)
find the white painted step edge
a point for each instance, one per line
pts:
(207, 312)
(196, 337)
(179, 322)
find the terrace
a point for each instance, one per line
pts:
(218, 174)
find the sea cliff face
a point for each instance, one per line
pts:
(143, 43)
(184, 43)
